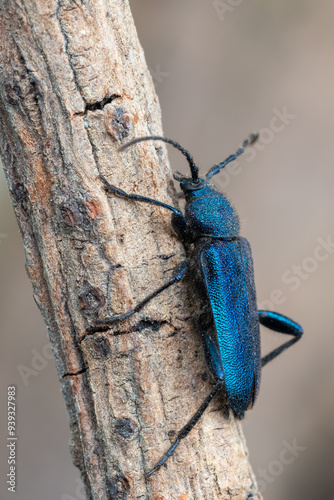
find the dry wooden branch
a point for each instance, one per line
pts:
(74, 86)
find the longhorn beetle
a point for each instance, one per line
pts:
(221, 267)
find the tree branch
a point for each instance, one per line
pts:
(74, 87)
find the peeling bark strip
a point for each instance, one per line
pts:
(74, 87)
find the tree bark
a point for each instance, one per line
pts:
(74, 87)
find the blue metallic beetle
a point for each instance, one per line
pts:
(221, 268)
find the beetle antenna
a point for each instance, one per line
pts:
(185, 152)
(219, 166)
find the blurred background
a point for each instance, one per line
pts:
(222, 69)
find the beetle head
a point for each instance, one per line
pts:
(193, 188)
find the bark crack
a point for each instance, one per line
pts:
(144, 324)
(99, 105)
(75, 374)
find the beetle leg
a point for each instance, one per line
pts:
(281, 324)
(122, 194)
(178, 221)
(187, 428)
(213, 361)
(179, 274)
